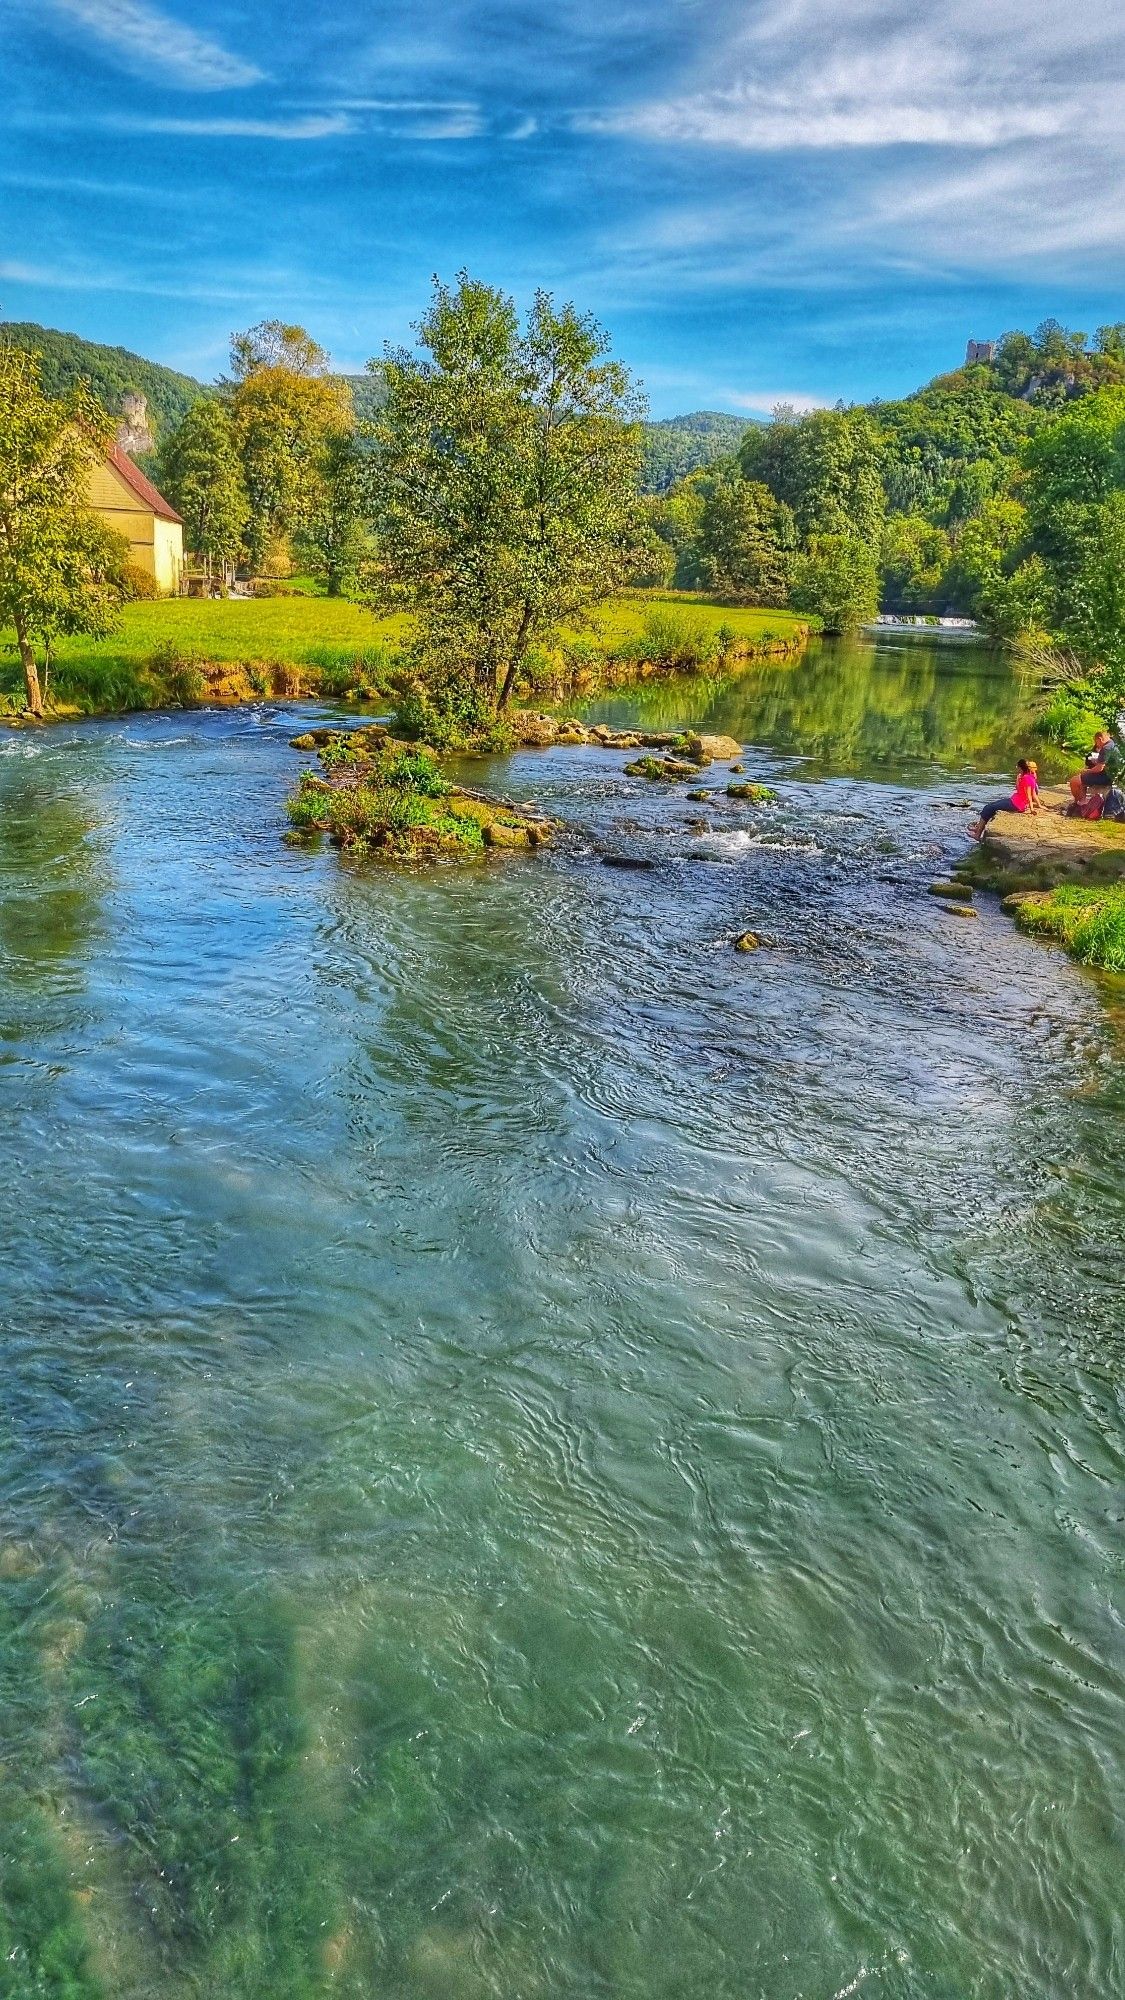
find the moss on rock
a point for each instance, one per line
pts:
(382, 796)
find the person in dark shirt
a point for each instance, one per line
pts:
(1100, 772)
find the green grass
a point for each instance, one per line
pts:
(301, 629)
(626, 617)
(1089, 922)
(158, 647)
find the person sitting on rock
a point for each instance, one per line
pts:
(1090, 785)
(1024, 799)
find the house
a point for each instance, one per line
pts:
(130, 504)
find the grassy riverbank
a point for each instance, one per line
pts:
(1059, 878)
(1089, 922)
(185, 650)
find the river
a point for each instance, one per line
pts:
(540, 1455)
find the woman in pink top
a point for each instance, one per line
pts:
(1024, 799)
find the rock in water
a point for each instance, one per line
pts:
(953, 892)
(959, 910)
(703, 749)
(747, 941)
(500, 833)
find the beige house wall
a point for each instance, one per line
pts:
(155, 545)
(168, 554)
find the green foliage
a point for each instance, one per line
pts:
(109, 372)
(916, 556)
(838, 579)
(746, 540)
(441, 707)
(61, 570)
(677, 519)
(285, 407)
(201, 472)
(677, 446)
(335, 536)
(505, 471)
(825, 467)
(42, 1943)
(1073, 716)
(1094, 595)
(400, 805)
(1053, 365)
(948, 447)
(179, 675)
(1090, 922)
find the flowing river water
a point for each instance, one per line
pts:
(540, 1455)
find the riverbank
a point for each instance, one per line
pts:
(1059, 878)
(190, 653)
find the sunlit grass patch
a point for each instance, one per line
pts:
(1089, 922)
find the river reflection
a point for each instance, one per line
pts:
(852, 705)
(539, 1455)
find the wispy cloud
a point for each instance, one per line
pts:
(420, 118)
(306, 126)
(64, 278)
(143, 38)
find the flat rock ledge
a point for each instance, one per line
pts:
(1045, 849)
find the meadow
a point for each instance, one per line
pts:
(170, 652)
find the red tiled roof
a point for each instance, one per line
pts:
(142, 487)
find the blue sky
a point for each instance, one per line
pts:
(772, 200)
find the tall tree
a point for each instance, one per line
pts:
(61, 570)
(505, 480)
(284, 406)
(200, 470)
(838, 579)
(825, 466)
(747, 540)
(336, 534)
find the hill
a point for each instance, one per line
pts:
(675, 446)
(111, 372)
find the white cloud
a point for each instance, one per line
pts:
(143, 38)
(64, 278)
(761, 121)
(972, 135)
(313, 125)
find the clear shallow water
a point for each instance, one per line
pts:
(540, 1455)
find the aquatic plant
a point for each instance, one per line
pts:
(188, 1717)
(42, 1941)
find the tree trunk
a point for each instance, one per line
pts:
(30, 671)
(514, 663)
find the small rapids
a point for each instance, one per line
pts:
(541, 1455)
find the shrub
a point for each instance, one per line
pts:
(138, 583)
(1072, 716)
(179, 675)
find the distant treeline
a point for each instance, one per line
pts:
(112, 372)
(674, 446)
